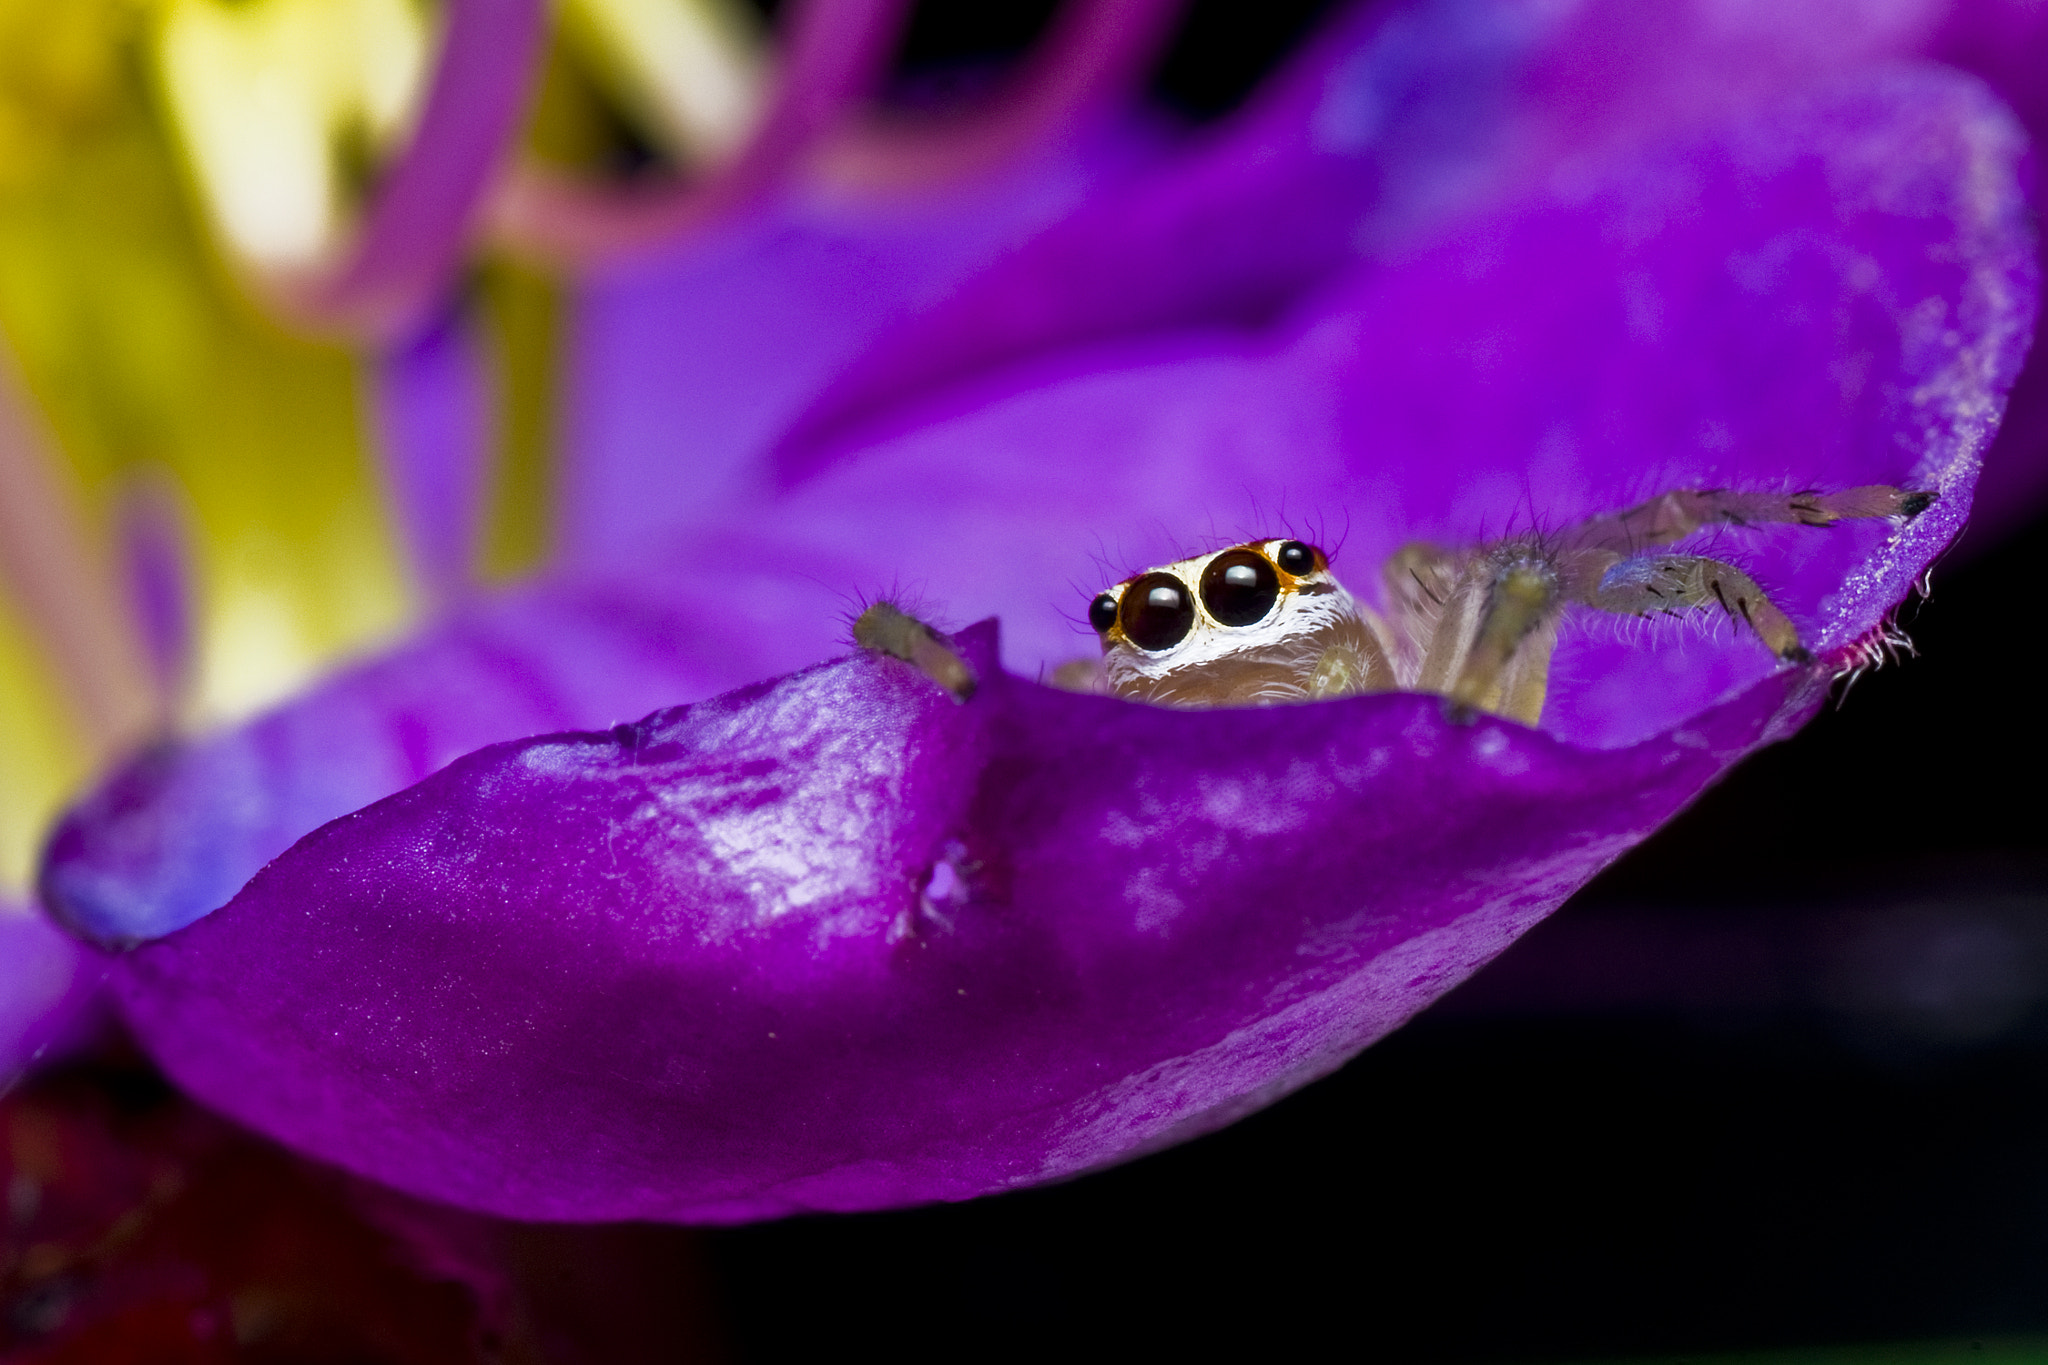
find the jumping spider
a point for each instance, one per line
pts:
(1266, 622)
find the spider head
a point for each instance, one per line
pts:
(1241, 624)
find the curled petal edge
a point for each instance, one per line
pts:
(838, 941)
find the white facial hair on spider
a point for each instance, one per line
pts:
(1265, 622)
(1247, 625)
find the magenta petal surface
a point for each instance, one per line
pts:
(1399, 120)
(2006, 43)
(176, 831)
(838, 942)
(687, 367)
(49, 992)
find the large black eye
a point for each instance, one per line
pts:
(1102, 613)
(1240, 587)
(1295, 557)
(1157, 612)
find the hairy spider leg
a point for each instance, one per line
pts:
(1354, 658)
(1488, 620)
(887, 629)
(1420, 581)
(1490, 633)
(1671, 517)
(1476, 626)
(1674, 584)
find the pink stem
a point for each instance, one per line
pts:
(1094, 53)
(412, 237)
(431, 401)
(66, 595)
(834, 53)
(156, 559)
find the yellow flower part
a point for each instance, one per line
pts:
(286, 106)
(60, 68)
(149, 151)
(145, 362)
(687, 72)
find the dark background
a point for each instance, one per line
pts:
(1778, 1078)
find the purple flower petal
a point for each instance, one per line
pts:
(50, 997)
(837, 942)
(1848, 313)
(1397, 121)
(686, 368)
(176, 832)
(2006, 43)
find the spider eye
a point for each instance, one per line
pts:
(1157, 612)
(1296, 557)
(1240, 587)
(1102, 613)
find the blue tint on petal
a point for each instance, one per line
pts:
(175, 832)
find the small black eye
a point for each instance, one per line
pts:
(1102, 613)
(1240, 587)
(1157, 612)
(1295, 557)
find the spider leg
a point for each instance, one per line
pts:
(1354, 659)
(1675, 584)
(1670, 517)
(1490, 649)
(1079, 675)
(888, 629)
(1420, 580)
